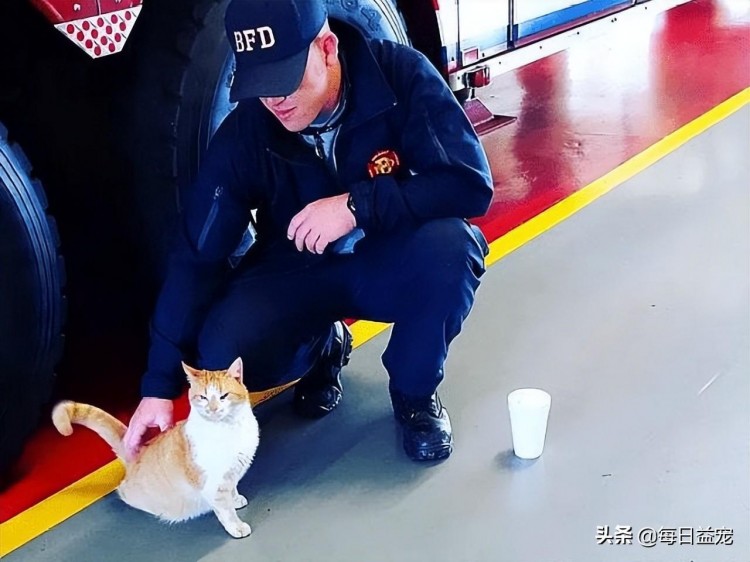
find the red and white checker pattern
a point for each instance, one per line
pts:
(101, 35)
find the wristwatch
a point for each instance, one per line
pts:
(351, 206)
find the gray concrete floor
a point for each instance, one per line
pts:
(624, 313)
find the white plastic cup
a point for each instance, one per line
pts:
(529, 411)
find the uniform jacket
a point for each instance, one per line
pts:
(397, 103)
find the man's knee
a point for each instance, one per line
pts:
(447, 256)
(274, 351)
(217, 347)
(235, 327)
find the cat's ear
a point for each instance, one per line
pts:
(189, 371)
(235, 369)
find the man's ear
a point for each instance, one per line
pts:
(330, 45)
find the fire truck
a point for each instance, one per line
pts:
(106, 107)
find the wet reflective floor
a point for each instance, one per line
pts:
(586, 110)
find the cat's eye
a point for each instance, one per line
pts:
(223, 396)
(202, 397)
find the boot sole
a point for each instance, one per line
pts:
(314, 411)
(436, 453)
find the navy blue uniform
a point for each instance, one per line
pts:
(418, 265)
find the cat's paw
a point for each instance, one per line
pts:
(240, 501)
(238, 530)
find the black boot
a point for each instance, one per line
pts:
(426, 425)
(320, 391)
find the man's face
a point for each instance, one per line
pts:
(299, 109)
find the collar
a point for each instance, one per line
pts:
(370, 94)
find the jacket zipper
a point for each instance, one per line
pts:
(319, 147)
(347, 129)
(211, 217)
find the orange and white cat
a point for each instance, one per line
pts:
(194, 467)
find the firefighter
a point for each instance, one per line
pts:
(362, 168)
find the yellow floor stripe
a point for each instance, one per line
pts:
(363, 331)
(57, 508)
(79, 495)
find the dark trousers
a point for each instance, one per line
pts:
(278, 309)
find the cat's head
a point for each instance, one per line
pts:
(215, 395)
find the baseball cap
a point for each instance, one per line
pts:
(270, 40)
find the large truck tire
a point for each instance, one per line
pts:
(32, 305)
(181, 95)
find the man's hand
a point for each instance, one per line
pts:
(151, 412)
(320, 223)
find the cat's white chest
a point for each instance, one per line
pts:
(219, 448)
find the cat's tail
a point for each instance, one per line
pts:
(108, 427)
